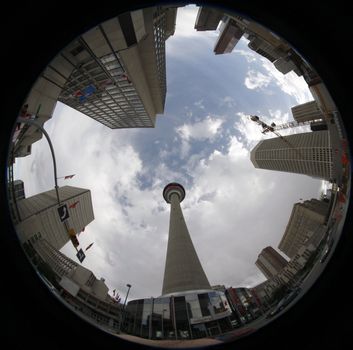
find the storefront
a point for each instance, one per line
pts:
(184, 315)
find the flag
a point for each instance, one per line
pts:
(105, 83)
(69, 177)
(344, 159)
(89, 246)
(72, 206)
(87, 91)
(341, 197)
(126, 78)
(77, 93)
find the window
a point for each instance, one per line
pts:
(204, 304)
(76, 50)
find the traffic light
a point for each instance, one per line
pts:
(74, 241)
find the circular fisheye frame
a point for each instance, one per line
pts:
(141, 167)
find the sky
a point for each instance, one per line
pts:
(203, 141)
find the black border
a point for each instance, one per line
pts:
(31, 36)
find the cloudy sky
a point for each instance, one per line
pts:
(203, 141)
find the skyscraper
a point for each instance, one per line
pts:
(270, 262)
(261, 40)
(207, 18)
(229, 36)
(307, 111)
(115, 73)
(39, 216)
(183, 270)
(307, 153)
(305, 223)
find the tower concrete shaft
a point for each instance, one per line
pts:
(183, 270)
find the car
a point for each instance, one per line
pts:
(326, 251)
(235, 323)
(293, 293)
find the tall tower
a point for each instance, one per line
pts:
(183, 270)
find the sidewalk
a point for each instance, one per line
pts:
(171, 343)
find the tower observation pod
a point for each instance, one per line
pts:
(183, 270)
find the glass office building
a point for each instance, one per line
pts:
(184, 315)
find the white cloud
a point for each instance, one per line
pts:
(199, 104)
(208, 128)
(238, 222)
(249, 130)
(256, 80)
(249, 56)
(185, 24)
(289, 83)
(185, 30)
(205, 129)
(228, 101)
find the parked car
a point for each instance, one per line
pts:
(326, 252)
(284, 302)
(235, 323)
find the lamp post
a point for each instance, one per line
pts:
(32, 122)
(129, 286)
(162, 322)
(123, 313)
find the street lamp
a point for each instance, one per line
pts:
(123, 313)
(129, 286)
(162, 323)
(32, 122)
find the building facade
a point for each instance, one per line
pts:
(243, 303)
(76, 286)
(18, 189)
(260, 293)
(306, 112)
(186, 315)
(115, 73)
(306, 153)
(306, 222)
(229, 36)
(270, 262)
(39, 215)
(207, 19)
(261, 40)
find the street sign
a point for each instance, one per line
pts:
(80, 255)
(63, 213)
